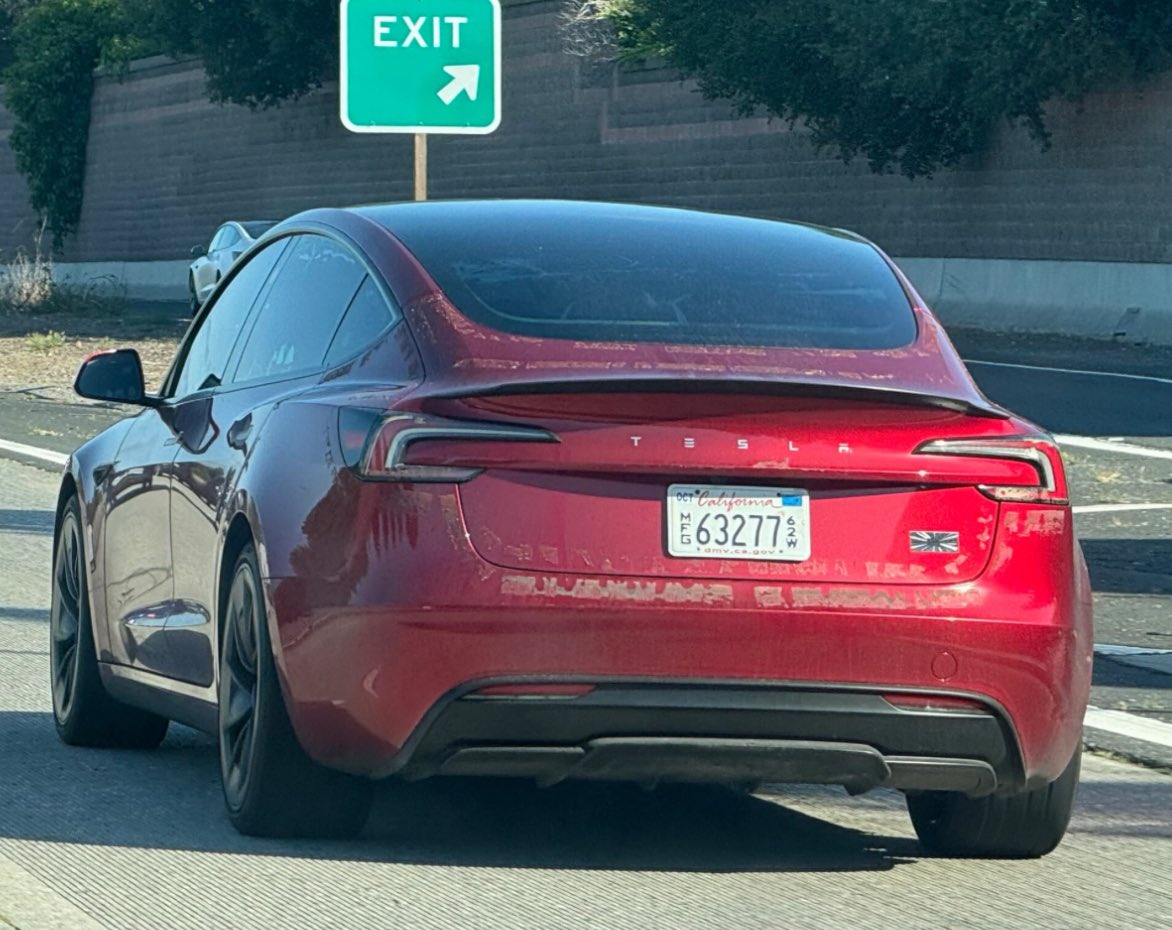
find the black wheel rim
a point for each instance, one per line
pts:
(239, 685)
(66, 615)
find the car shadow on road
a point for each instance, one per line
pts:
(170, 799)
(30, 614)
(26, 522)
(1129, 566)
(1082, 404)
(1119, 680)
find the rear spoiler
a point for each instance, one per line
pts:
(977, 406)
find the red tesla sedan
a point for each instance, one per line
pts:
(576, 491)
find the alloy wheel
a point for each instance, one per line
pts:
(239, 685)
(65, 618)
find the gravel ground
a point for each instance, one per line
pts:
(45, 351)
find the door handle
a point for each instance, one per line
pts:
(238, 432)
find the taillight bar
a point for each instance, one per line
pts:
(1042, 454)
(389, 437)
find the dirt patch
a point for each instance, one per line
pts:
(44, 351)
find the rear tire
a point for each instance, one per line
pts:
(85, 715)
(271, 787)
(1017, 826)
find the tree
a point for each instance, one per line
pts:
(10, 11)
(56, 44)
(913, 85)
(255, 52)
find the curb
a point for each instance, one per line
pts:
(1117, 301)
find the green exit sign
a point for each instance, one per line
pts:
(421, 66)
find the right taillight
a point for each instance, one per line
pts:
(1042, 454)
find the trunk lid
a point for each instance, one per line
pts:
(595, 502)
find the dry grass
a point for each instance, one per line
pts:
(26, 284)
(27, 288)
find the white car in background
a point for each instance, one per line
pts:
(212, 262)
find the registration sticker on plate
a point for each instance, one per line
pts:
(730, 522)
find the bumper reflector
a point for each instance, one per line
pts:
(935, 702)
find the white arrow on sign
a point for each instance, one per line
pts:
(465, 80)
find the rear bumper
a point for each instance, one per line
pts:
(379, 660)
(374, 692)
(721, 733)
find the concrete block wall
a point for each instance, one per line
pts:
(18, 223)
(165, 166)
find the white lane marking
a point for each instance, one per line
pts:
(1119, 508)
(1070, 371)
(1120, 448)
(1129, 725)
(1105, 649)
(44, 455)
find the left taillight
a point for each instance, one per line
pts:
(1042, 454)
(376, 445)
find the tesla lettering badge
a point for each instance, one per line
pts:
(743, 445)
(926, 541)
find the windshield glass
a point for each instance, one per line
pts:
(630, 274)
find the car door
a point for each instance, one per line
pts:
(289, 333)
(136, 549)
(138, 556)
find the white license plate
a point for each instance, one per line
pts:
(731, 522)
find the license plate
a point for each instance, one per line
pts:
(730, 522)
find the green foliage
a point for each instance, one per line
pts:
(56, 45)
(10, 12)
(45, 342)
(255, 52)
(913, 85)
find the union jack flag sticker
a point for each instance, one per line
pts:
(925, 541)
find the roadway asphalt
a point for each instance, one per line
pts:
(95, 839)
(102, 839)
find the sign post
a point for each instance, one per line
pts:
(420, 166)
(421, 67)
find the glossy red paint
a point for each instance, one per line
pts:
(363, 674)
(547, 568)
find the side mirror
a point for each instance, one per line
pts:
(198, 251)
(114, 376)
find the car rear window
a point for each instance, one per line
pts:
(257, 229)
(629, 274)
